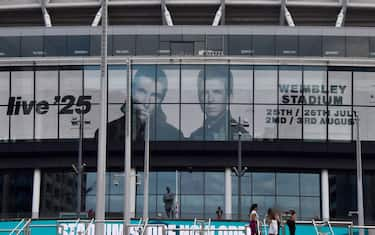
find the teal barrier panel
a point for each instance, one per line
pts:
(70, 227)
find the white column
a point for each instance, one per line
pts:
(36, 194)
(133, 185)
(325, 194)
(228, 194)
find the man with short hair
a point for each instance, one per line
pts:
(146, 102)
(214, 91)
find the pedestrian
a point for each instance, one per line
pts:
(168, 199)
(254, 219)
(219, 213)
(291, 222)
(273, 227)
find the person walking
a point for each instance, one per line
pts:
(273, 227)
(291, 222)
(254, 219)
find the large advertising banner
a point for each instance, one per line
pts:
(189, 102)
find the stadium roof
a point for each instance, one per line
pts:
(190, 12)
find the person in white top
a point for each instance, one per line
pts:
(273, 229)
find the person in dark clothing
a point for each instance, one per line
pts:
(214, 91)
(146, 101)
(219, 213)
(291, 222)
(168, 200)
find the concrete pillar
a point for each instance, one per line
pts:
(36, 194)
(228, 194)
(325, 194)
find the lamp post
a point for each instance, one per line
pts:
(79, 168)
(361, 219)
(239, 171)
(146, 168)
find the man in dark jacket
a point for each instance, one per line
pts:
(146, 100)
(214, 91)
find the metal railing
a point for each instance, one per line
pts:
(356, 229)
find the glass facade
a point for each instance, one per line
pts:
(282, 191)
(188, 45)
(190, 102)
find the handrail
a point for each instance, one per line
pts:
(76, 226)
(88, 226)
(330, 228)
(15, 228)
(24, 226)
(144, 226)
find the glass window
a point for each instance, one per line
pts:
(192, 121)
(286, 203)
(290, 108)
(78, 45)
(46, 86)
(263, 183)
(4, 120)
(189, 82)
(214, 182)
(264, 45)
(364, 88)
(310, 208)
(340, 93)
(91, 80)
(310, 45)
(265, 84)
(245, 207)
(357, 46)
(192, 183)
(265, 121)
(92, 121)
(191, 206)
(55, 45)
(264, 202)
(343, 194)
(46, 122)
(287, 184)
(242, 86)
(70, 84)
(66, 127)
(168, 77)
(16, 204)
(287, 45)
(245, 184)
(215, 43)
(315, 96)
(340, 87)
(95, 45)
(333, 46)
(245, 113)
(22, 120)
(240, 45)
(168, 122)
(182, 48)
(123, 45)
(153, 182)
(32, 46)
(372, 47)
(340, 123)
(4, 88)
(310, 184)
(147, 45)
(166, 179)
(117, 76)
(211, 203)
(10, 46)
(367, 128)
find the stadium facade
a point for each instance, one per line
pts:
(295, 71)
